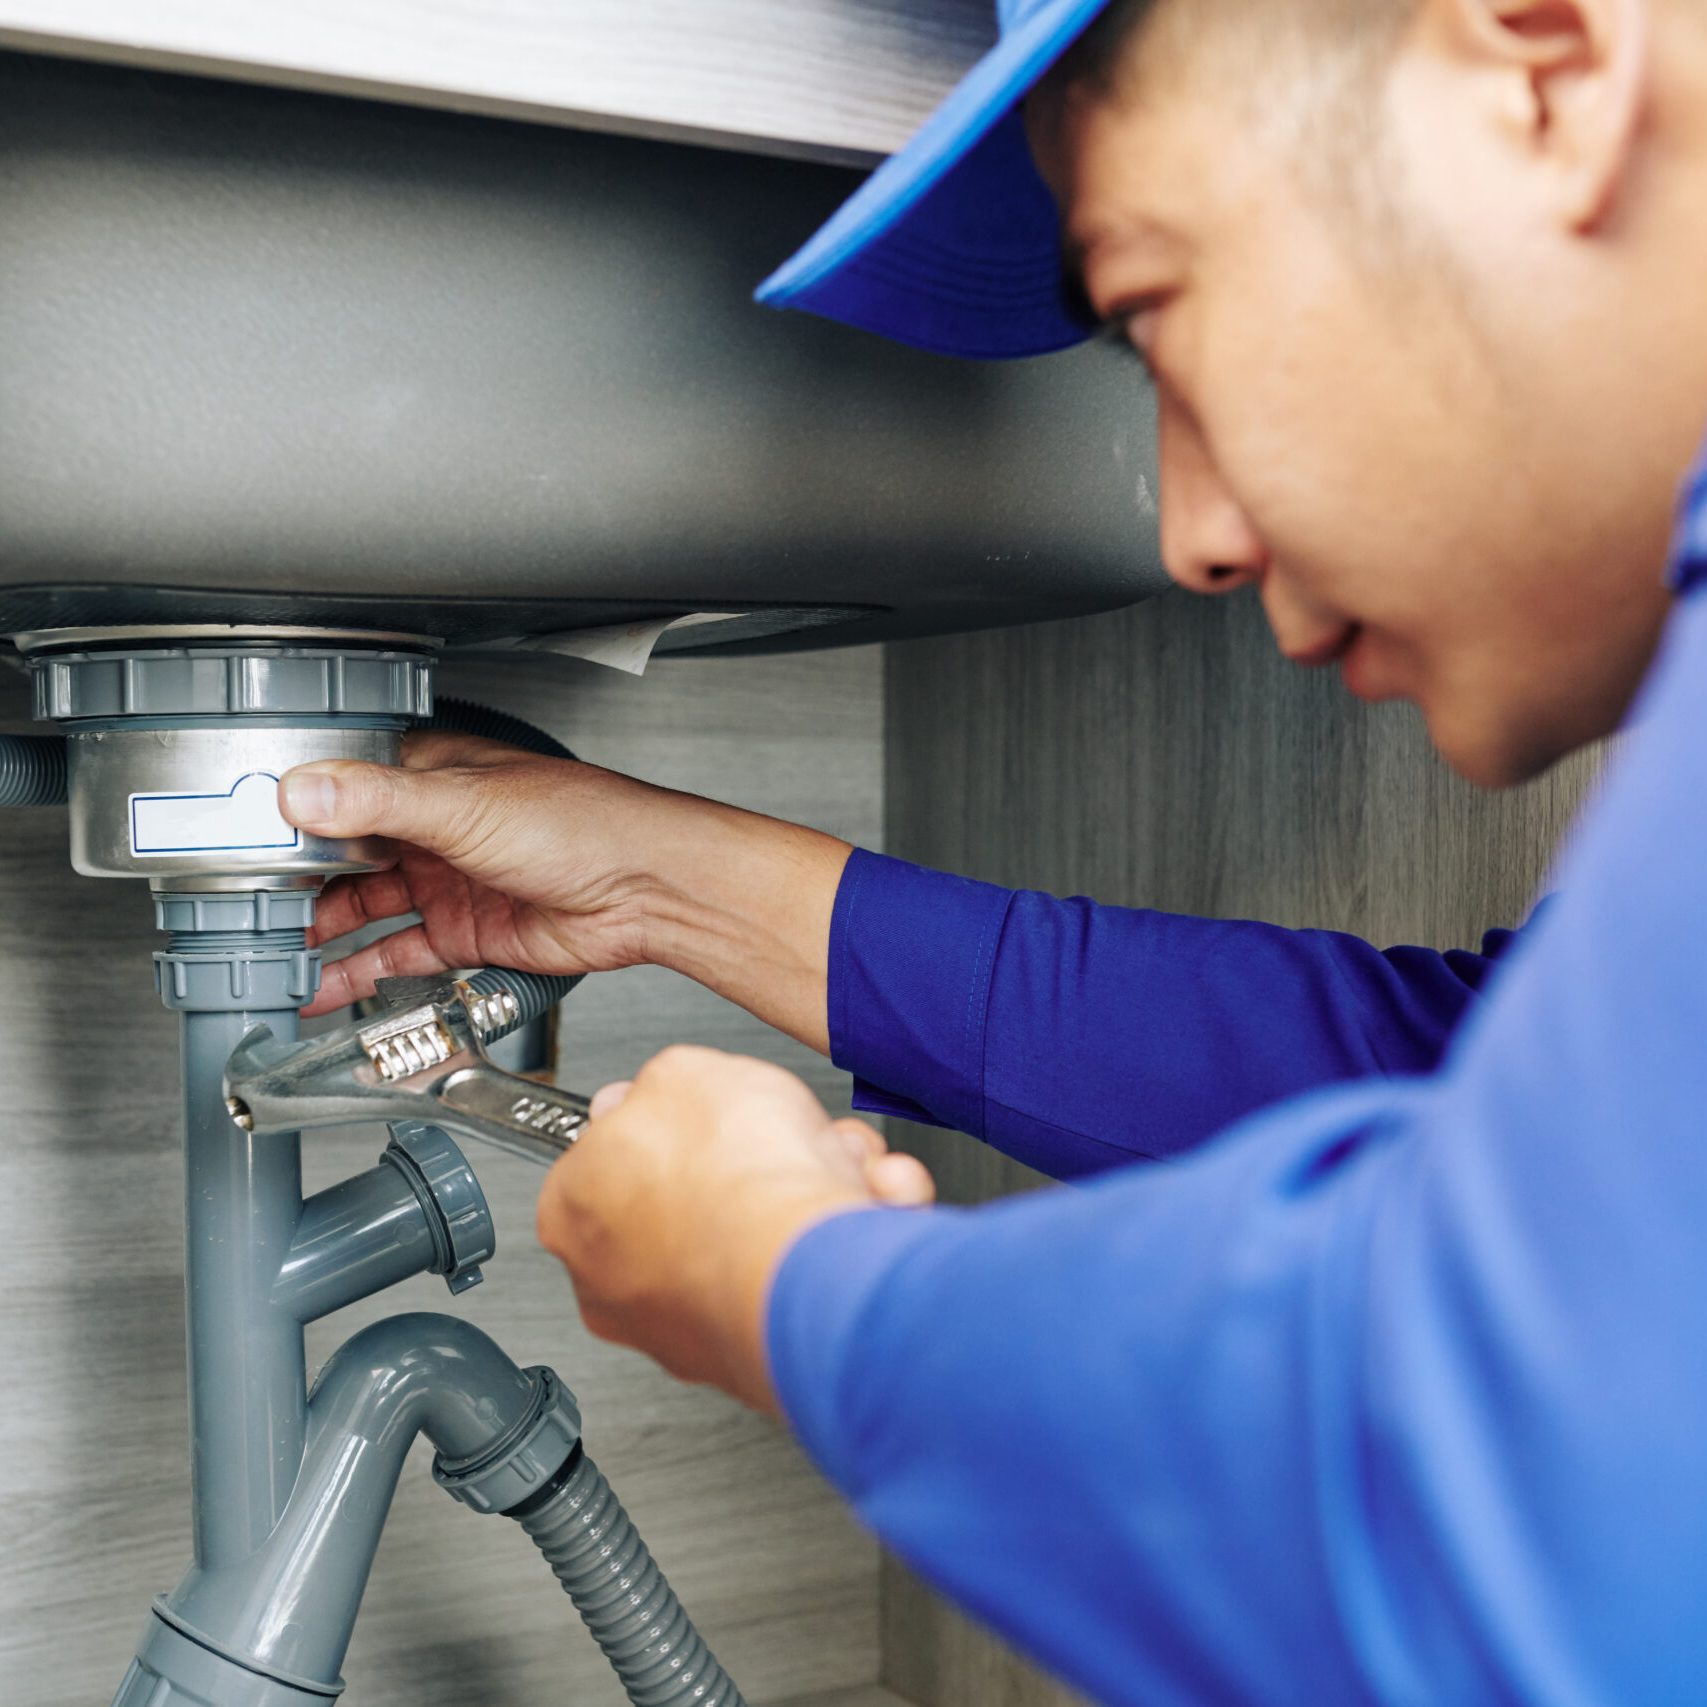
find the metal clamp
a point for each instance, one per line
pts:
(424, 1060)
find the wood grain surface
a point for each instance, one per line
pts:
(1166, 757)
(872, 1695)
(842, 80)
(461, 1612)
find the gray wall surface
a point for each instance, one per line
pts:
(1166, 757)
(94, 1507)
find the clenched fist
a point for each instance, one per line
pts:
(684, 1194)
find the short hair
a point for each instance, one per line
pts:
(1365, 28)
(1318, 60)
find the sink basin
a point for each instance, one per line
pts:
(270, 357)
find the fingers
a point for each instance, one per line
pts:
(434, 749)
(351, 902)
(902, 1182)
(858, 1140)
(451, 811)
(610, 1097)
(402, 954)
(503, 820)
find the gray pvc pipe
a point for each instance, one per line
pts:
(353, 1240)
(291, 1607)
(291, 1490)
(248, 1374)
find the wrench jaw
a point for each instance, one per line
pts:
(271, 1088)
(424, 1036)
(422, 1039)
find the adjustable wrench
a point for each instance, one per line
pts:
(425, 1059)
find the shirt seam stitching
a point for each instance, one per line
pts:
(978, 1011)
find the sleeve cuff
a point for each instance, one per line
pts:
(813, 1336)
(911, 953)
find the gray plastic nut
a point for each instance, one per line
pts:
(237, 910)
(498, 1483)
(455, 1205)
(236, 951)
(237, 980)
(226, 681)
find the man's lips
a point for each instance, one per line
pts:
(1346, 647)
(1329, 648)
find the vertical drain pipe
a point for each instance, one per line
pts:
(233, 961)
(173, 754)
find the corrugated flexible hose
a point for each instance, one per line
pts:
(591, 1544)
(535, 992)
(32, 770)
(466, 718)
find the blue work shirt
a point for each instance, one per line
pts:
(1397, 1391)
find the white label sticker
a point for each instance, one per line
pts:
(246, 816)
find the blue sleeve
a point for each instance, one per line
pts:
(1078, 1037)
(1396, 1395)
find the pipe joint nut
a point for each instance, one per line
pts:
(238, 978)
(454, 1204)
(195, 912)
(500, 1480)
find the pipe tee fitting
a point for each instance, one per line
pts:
(421, 1210)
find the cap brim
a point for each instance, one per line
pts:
(954, 244)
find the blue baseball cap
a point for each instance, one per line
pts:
(954, 244)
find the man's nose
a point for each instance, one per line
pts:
(1209, 544)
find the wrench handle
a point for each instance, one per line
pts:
(537, 1121)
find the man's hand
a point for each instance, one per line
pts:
(675, 1208)
(549, 865)
(508, 858)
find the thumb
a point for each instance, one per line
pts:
(346, 797)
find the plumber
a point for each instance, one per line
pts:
(1392, 1385)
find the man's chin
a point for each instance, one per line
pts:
(1489, 754)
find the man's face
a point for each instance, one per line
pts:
(1388, 421)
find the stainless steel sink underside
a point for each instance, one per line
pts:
(280, 358)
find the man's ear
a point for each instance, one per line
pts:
(1570, 79)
